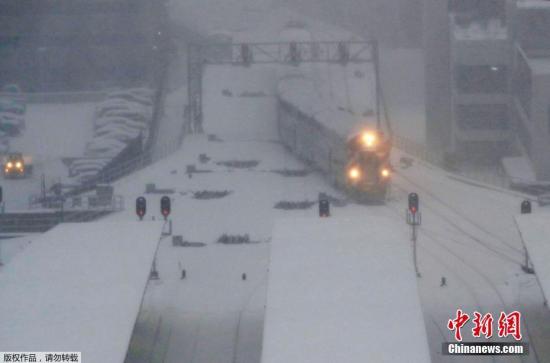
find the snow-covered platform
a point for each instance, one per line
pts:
(535, 232)
(342, 290)
(78, 288)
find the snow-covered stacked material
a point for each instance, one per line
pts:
(342, 290)
(535, 232)
(120, 119)
(12, 110)
(78, 288)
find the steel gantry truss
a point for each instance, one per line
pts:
(294, 53)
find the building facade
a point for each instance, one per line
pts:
(468, 62)
(531, 81)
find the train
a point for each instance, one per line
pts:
(348, 148)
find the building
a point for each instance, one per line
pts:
(531, 81)
(67, 45)
(468, 61)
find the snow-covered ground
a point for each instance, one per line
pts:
(53, 131)
(534, 232)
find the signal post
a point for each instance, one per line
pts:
(414, 219)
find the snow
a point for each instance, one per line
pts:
(519, 169)
(78, 287)
(338, 290)
(46, 140)
(535, 232)
(540, 66)
(492, 29)
(468, 234)
(47, 126)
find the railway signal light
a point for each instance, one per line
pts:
(525, 207)
(324, 208)
(141, 207)
(413, 203)
(165, 206)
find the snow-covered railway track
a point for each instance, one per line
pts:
(440, 208)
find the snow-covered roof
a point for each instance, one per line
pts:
(535, 232)
(78, 288)
(342, 290)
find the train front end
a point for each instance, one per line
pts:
(368, 171)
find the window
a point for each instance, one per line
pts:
(482, 79)
(482, 117)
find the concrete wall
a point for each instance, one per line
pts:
(540, 128)
(436, 41)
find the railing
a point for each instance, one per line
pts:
(39, 222)
(58, 97)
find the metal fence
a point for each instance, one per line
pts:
(152, 151)
(39, 222)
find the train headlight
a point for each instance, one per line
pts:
(385, 173)
(19, 165)
(354, 173)
(9, 165)
(369, 139)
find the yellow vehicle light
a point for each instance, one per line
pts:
(385, 173)
(354, 173)
(369, 139)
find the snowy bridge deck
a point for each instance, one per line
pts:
(535, 232)
(342, 290)
(78, 288)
